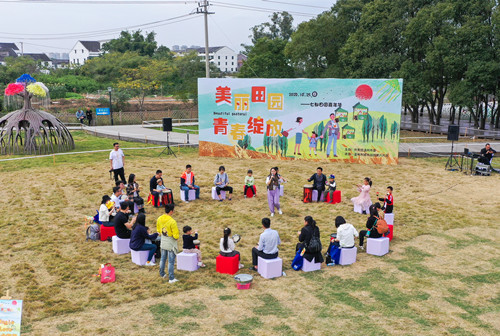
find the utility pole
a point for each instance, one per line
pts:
(203, 9)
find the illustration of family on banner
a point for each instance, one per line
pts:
(348, 120)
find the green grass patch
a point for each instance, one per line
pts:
(284, 329)
(271, 306)
(189, 326)
(487, 278)
(217, 285)
(65, 327)
(164, 314)
(243, 327)
(227, 297)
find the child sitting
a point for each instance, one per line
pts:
(331, 187)
(249, 184)
(388, 201)
(227, 247)
(312, 142)
(188, 245)
(160, 189)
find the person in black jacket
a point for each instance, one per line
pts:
(138, 238)
(305, 235)
(369, 225)
(487, 154)
(319, 181)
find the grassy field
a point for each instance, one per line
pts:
(441, 277)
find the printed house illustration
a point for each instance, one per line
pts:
(348, 132)
(359, 111)
(341, 114)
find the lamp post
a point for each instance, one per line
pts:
(110, 106)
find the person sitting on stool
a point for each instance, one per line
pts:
(268, 244)
(486, 154)
(319, 181)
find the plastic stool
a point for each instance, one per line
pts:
(310, 266)
(107, 232)
(389, 218)
(315, 196)
(348, 255)
(215, 196)
(391, 233)
(377, 246)
(270, 268)
(191, 195)
(282, 190)
(187, 262)
(249, 193)
(120, 246)
(227, 265)
(140, 257)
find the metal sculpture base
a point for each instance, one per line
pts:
(167, 150)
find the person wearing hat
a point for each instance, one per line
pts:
(332, 186)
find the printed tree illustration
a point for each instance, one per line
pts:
(394, 130)
(283, 142)
(246, 142)
(366, 128)
(31, 131)
(383, 127)
(322, 141)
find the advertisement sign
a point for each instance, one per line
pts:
(348, 120)
(10, 317)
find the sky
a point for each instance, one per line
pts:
(56, 25)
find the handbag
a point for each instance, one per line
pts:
(298, 261)
(107, 273)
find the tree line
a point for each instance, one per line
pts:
(445, 50)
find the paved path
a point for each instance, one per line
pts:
(138, 133)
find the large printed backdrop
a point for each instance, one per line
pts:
(353, 120)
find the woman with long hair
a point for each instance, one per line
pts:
(309, 231)
(227, 247)
(133, 190)
(105, 213)
(140, 232)
(273, 190)
(363, 201)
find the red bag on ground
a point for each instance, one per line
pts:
(107, 273)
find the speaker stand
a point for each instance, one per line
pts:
(452, 161)
(167, 148)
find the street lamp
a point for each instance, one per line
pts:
(110, 105)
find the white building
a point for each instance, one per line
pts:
(225, 58)
(82, 51)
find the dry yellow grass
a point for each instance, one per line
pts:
(441, 277)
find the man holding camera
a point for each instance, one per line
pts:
(487, 154)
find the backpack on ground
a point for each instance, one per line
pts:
(314, 245)
(298, 261)
(381, 226)
(93, 232)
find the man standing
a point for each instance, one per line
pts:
(268, 244)
(187, 183)
(88, 115)
(319, 181)
(333, 132)
(487, 154)
(167, 228)
(117, 161)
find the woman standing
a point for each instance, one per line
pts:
(273, 190)
(299, 129)
(307, 233)
(363, 200)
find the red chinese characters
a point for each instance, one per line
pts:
(223, 95)
(258, 94)
(220, 126)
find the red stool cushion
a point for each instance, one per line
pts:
(391, 228)
(249, 192)
(107, 231)
(227, 265)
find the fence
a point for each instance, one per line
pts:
(130, 118)
(465, 131)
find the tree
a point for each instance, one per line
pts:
(144, 45)
(107, 68)
(266, 59)
(280, 27)
(144, 79)
(15, 67)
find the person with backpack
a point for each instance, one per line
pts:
(370, 223)
(309, 238)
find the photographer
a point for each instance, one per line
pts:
(487, 154)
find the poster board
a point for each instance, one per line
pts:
(355, 120)
(10, 317)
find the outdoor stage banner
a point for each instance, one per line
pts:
(345, 120)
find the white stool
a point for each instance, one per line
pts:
(377, 246)
(191, 195)
(120, 246)
(310, 266)
(348, 255)
(140, 257)
(270, 268)
(214, 194)
(282, 188)
(389, 218)
(315, 196)
(187, 261)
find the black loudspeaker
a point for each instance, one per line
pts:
(167, 124)
(453, 132)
